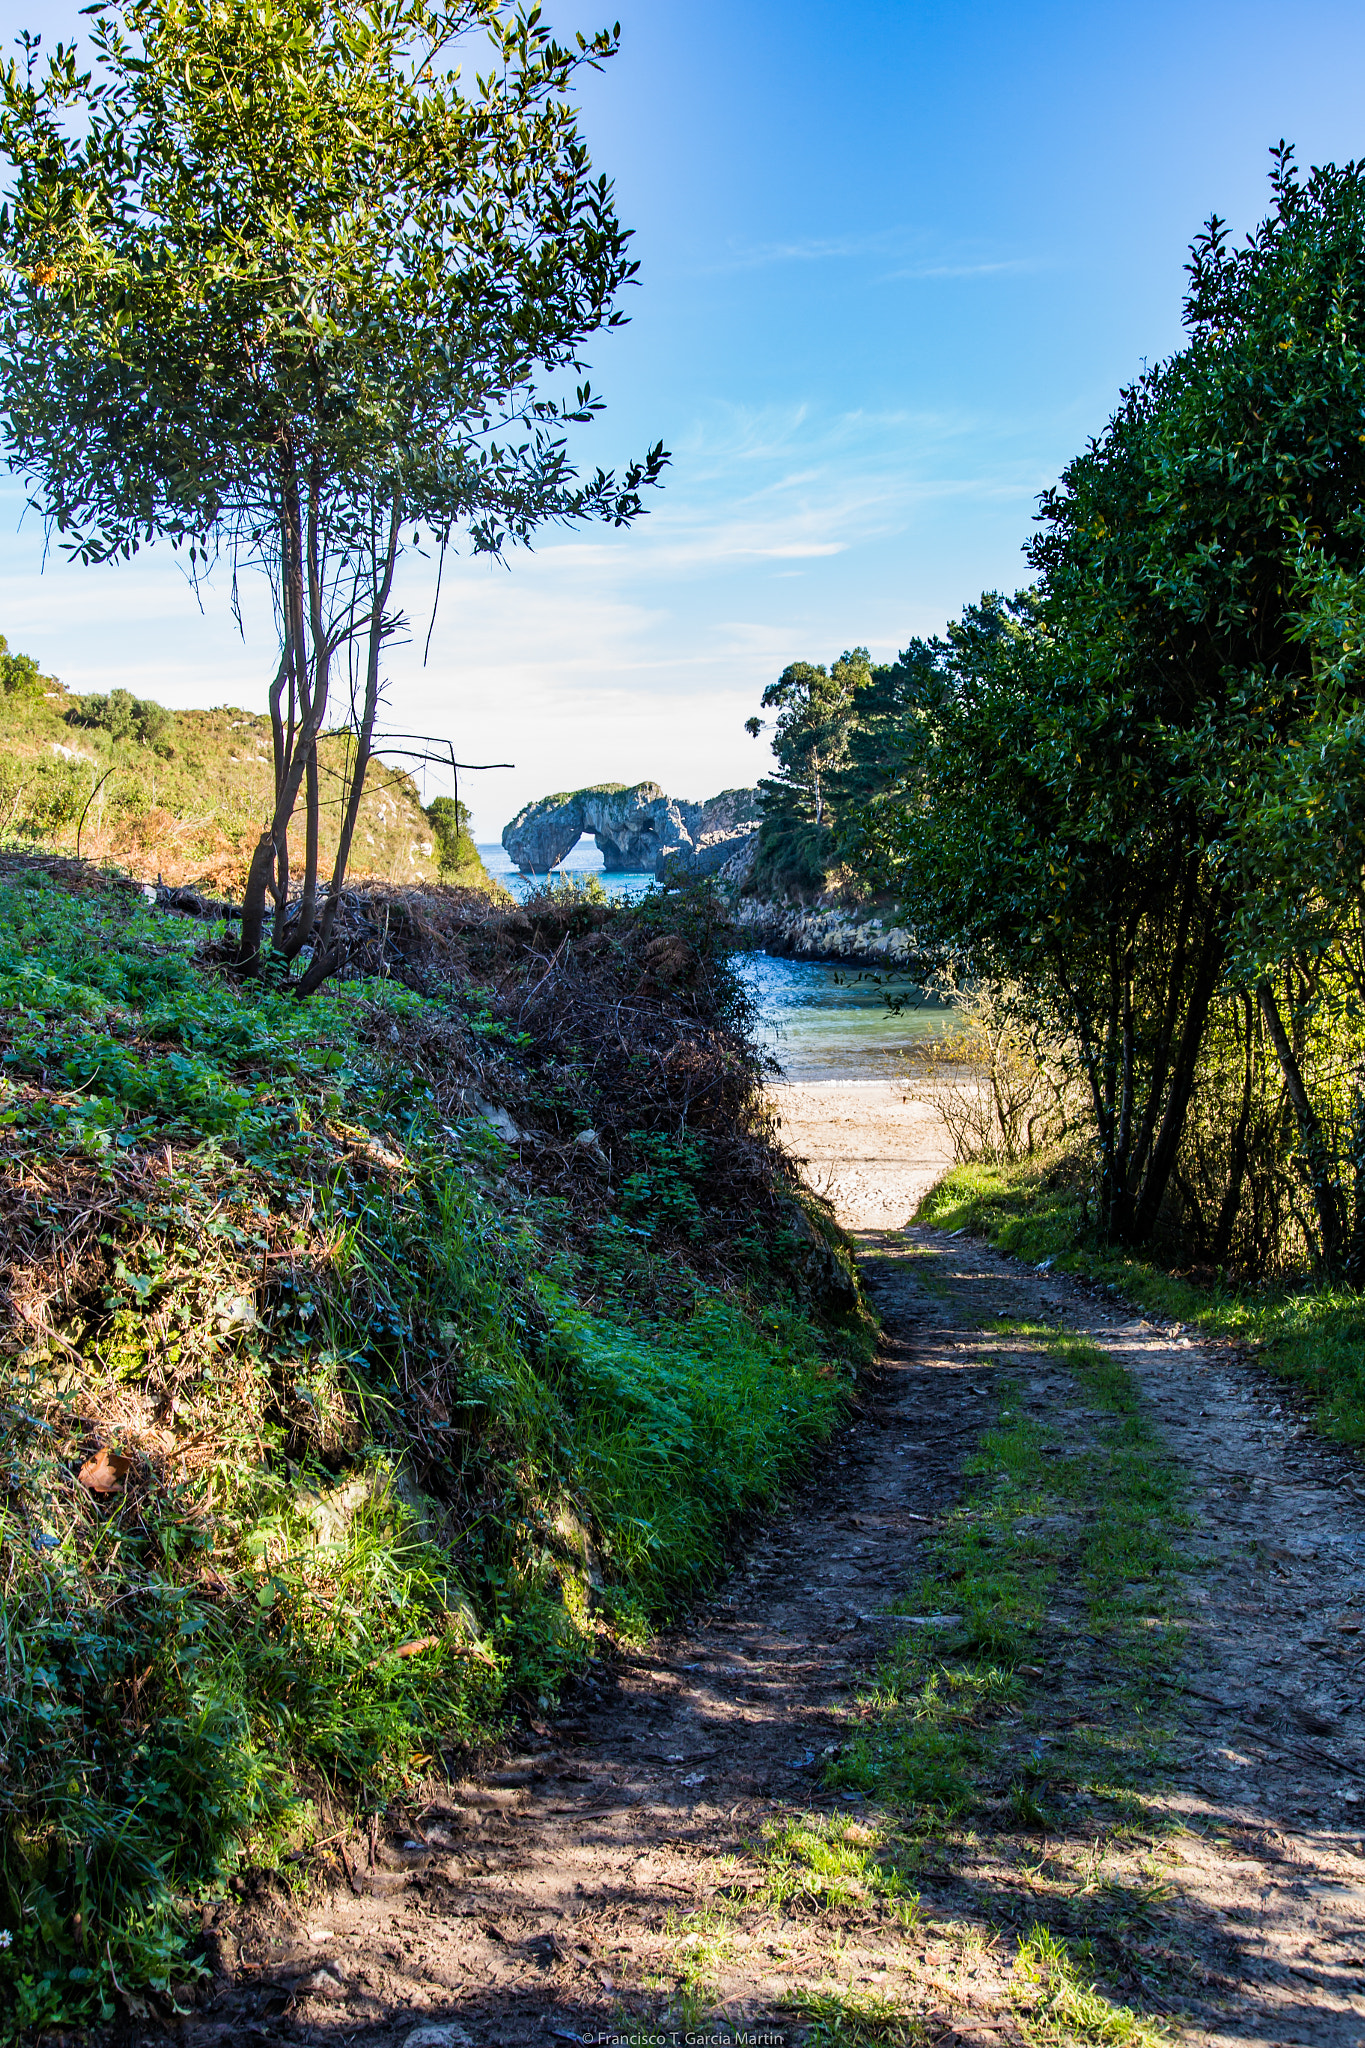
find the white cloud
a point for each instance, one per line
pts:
(906, 247)
(600, 654)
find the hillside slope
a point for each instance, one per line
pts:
(188, 791)
(364, 1365)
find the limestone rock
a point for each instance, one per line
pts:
(638, 829)
(861, 937)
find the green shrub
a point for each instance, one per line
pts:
(20, 675)
(455, 848)
(126, 717)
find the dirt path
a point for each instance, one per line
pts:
(689, 1849)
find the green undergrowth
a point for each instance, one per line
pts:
(1057, 1569)
(839, 2017)
(327, 1444)
(1313, 1336)
(180, 793)
(822, 1861)
(1058, 2003)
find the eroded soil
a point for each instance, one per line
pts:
(615, 1877)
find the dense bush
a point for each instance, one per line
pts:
(20, 675)
(126, 717)
(456, 852)
(1131, 793)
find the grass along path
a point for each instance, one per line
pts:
(1035, 1721)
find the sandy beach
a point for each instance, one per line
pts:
(874, 1147)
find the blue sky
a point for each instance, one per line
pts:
(896, 261)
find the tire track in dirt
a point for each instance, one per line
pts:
(607, 1880)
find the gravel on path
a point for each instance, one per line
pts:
(607, 1882)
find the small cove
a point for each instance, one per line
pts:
(821, 1022)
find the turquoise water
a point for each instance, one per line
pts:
(825, 1023)
(584, 860)
(820, 1023)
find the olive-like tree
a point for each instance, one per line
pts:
(281, 287)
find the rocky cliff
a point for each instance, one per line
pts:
(638, 829)
(857, 937)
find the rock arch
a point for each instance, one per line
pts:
(638, 829)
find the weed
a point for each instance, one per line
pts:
(1060, 2008)
(840, 2018)
(701, 1943)
(828, 1861)
(1043, 1528)
(325, 1442)
(1028, 1810)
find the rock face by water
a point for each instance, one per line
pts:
(639, 830)
(856, 938)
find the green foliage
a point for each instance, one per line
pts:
(303, 337)
(188, 804)
(825, 1861)
(728, 1401)
(1132, 792)
(20, 675)
(456, 853)
(41, 799)
(1065, 2008)
(663, 1192)
(126, 717)
(845, 2018)
(816, 710)
(367, 1406)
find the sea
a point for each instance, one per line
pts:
(819, 1022)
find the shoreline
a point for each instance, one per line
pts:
(873, 1148)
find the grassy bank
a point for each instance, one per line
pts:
(1314, 1337)
(364, 1364)
(182, 794)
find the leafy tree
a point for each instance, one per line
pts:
(815, 711)
(20, 675)
(281, 289)
(449, 821)
(878, 768)
(1043, 834)
(126, 717)
(1136, 787)
(1208, 549)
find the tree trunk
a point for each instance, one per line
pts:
(1355, 1251)
(1321, 1179)
(1170, 1013)
(298, 933)
(304, 667)
(364, 741)
(1156, 1179)
(260, 875)
(1237, 1163)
